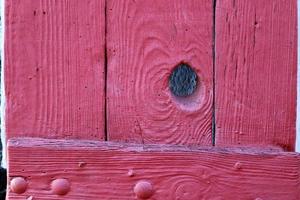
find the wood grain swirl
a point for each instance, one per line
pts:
(54, 68)
(256, 72)
(175, 173)
(146, 40)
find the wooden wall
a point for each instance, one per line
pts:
(83, 78)
(56, 58)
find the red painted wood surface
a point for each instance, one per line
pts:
(256, 64)
(146, 40)
(54, 87)
(98, 170)
(54, 68)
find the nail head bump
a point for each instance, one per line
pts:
(143, 190)
(238, 165)
(60, 186)
(130, 173)
(18, 185)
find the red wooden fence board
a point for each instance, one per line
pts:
(146, 40)
(97, 170)
(55, 88)
(256, 61)
(54, 68)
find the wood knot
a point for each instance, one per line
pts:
(183, 80)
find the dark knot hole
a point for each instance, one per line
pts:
(183, 80)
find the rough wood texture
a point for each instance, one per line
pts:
(256, 69)
(98, 170)
(146, 40)
(54, 68)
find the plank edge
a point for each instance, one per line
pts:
(28, 142)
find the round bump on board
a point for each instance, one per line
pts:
(143, 190)
(60, 186)
(238, 165)
(130, 173)
(18, 185)
(183, 80)
(81, 164)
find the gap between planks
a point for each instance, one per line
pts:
(105, 72)
(214, 75)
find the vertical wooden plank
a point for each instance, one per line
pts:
(297, 145)
(256, 69)
(54, 68)
(146, 40)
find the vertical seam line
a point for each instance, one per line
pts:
(105, 71)
(214, 75)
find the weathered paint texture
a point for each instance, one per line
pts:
(256, 73)
(146, 40)
(54, 68)
(56, 85)
(112, 170)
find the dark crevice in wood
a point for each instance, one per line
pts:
(183, 80)
(105, 76)
(214, 74)
(254, 27)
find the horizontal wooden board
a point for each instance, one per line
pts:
(99, 170)
(256, 72)
(146, 40)
(54, 68)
